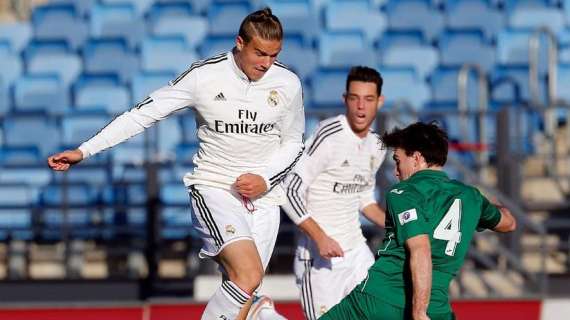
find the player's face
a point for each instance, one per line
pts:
(406, 165)
(362, 103)
(256, 56)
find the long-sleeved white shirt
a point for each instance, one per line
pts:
(334, 180)
(243, 126)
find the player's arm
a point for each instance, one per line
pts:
(155, 107)
(282, 161)
(328, 247)
(496, 217)
(419, 251)
(507, 223)
(296, 185)
(375, 214)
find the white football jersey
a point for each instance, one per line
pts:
(335, 179)
(243, 126)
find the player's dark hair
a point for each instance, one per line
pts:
(261, 23)
(365, 74)
(426, 138)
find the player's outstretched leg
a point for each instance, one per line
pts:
(244, 272)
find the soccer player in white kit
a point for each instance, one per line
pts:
(333, 181)
(250, 122)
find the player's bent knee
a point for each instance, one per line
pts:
(248, 280)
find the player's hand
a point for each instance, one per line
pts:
(329, 248)
(250, 185)
(64, 160)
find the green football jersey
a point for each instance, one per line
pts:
(449, 212)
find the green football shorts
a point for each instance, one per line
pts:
(360, 306)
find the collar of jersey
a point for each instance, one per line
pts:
(430, 172)
(236, 68)
(349, 131)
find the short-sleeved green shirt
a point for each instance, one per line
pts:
(449, 212)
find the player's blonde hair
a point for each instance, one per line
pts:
(262, 23)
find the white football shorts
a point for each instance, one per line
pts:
(221, 217)
(324, 282)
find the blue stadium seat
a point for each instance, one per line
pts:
(403, 84)
(185, 152)
(342, 49)
(421, 57)
(402, 38)
(213, 45)
(108, 97)
(311, 123)
(32, 175)
(141, 6)
(125, 194)
(188, 125)
(563, 79)
(328, 87)
(510, 83)
(59, 22)
(110, 57)
(16, 224)
(17, 195)
(74, 194)
(174, 193)
(512, 49)
(16, 35)
(145, 83)
(20, 155)
(197, 6)
(32, 130)
(82, 7)
(79, 223)
(11, 67)
(46, 47)
(176, 220)
(110, 21)
(166, 9)
(177, 223)
(93, 175)
(297, 17)
(131, 152)
(466, 14)
(169, 135)
(415, 15)
(533, 17)
(166, 54)
(77, 128)
(66, 65)
(225, 18)
(301, 59)
(444, 87)
(566, 6)
(461, 47)
(40, 93)
(343, 15)
(192, 28)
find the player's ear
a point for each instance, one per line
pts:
(380, 102)
(239, 43)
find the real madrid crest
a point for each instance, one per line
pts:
(273, 99)
(230, 229)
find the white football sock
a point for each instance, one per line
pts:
(226, 303)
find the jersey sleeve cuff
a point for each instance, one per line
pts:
(84, 150)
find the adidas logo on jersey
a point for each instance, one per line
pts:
(345, 164)
(220, 97)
